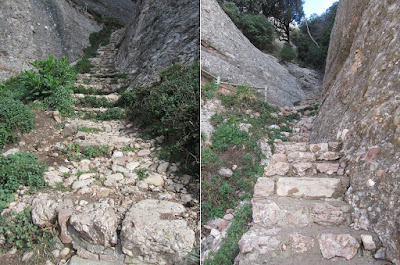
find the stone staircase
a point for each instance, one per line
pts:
(299, 212)
(124, 207)
(103, 75)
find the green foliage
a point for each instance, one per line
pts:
(61, 100)
(171, 108)
(13, 88)
(255, 27)
(83, 65)
(75, 153)
(258, 30)
(209, 158)
(19, 231)
(232, 11)
(142, 173)
(128, 149)
(89, 129)
(229, 249)
(287, 53)
(19, 169)
(209, 90)
(227, 135)
(15, 116)
(108, 115)
(51, 74)
(95, 102)
(309, 54)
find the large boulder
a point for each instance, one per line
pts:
(362, 100)
(32, 30)
(154, 230)
(227, 53)
(159, 34)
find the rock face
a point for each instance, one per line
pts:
(120, 9)
(362, 98)
(159, 34)
(33, 30)
(152, 229)
(227, 53)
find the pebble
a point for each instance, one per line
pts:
(27, 256)
(64, 252)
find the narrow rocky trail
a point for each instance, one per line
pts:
(300, 215)
(120, 206)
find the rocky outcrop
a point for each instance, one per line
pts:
(362, 99)
(227, 53)
(32, 30)
(160, 34)
(119, 9)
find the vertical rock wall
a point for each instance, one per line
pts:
(35, 29)
(362, 107)
(160, 33)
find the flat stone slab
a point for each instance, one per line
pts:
(75, 260)
(307, 187)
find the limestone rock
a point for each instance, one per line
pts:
(82, 183)
(342, 245)
(225, 172)
(112, 180)
(267, 213)
(327, 214)
(43, 210)
(151, 229)
(155, 179)
(97, 223)
(327, 168)
(301, 157)
(259, 239)
(307, 187)
(278, 166)
(368, 242)
(301, 168)
(300, 243)
(264, 187)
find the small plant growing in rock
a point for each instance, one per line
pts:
(142, 173)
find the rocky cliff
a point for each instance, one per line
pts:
(159, 34)
(227, 53)
(119, 9)
(362, 99)
(34, 29)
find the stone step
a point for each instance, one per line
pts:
(308, 245)
(288, 212)
(109, 97)
(311, 187)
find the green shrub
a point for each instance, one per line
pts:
(15, 116)
(13, 88)
(287, 53)
(19, 169)
(209, 90)
(232, 11)
(83, 65)
(61, 100)
(51, 74)
(258, 30)
(75, 153)
(227, 135)
(19, 231)
(171, 108)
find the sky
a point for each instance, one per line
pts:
(316, 6)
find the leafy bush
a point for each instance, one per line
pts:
(51, 74)
(15, 116)
(227, 135)
(19, 231)
(83, 65)
(13, 88)
(19, 169)
(61, 100)
(171, 108)
(258, 30)
(287, 53)
(209, 90)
